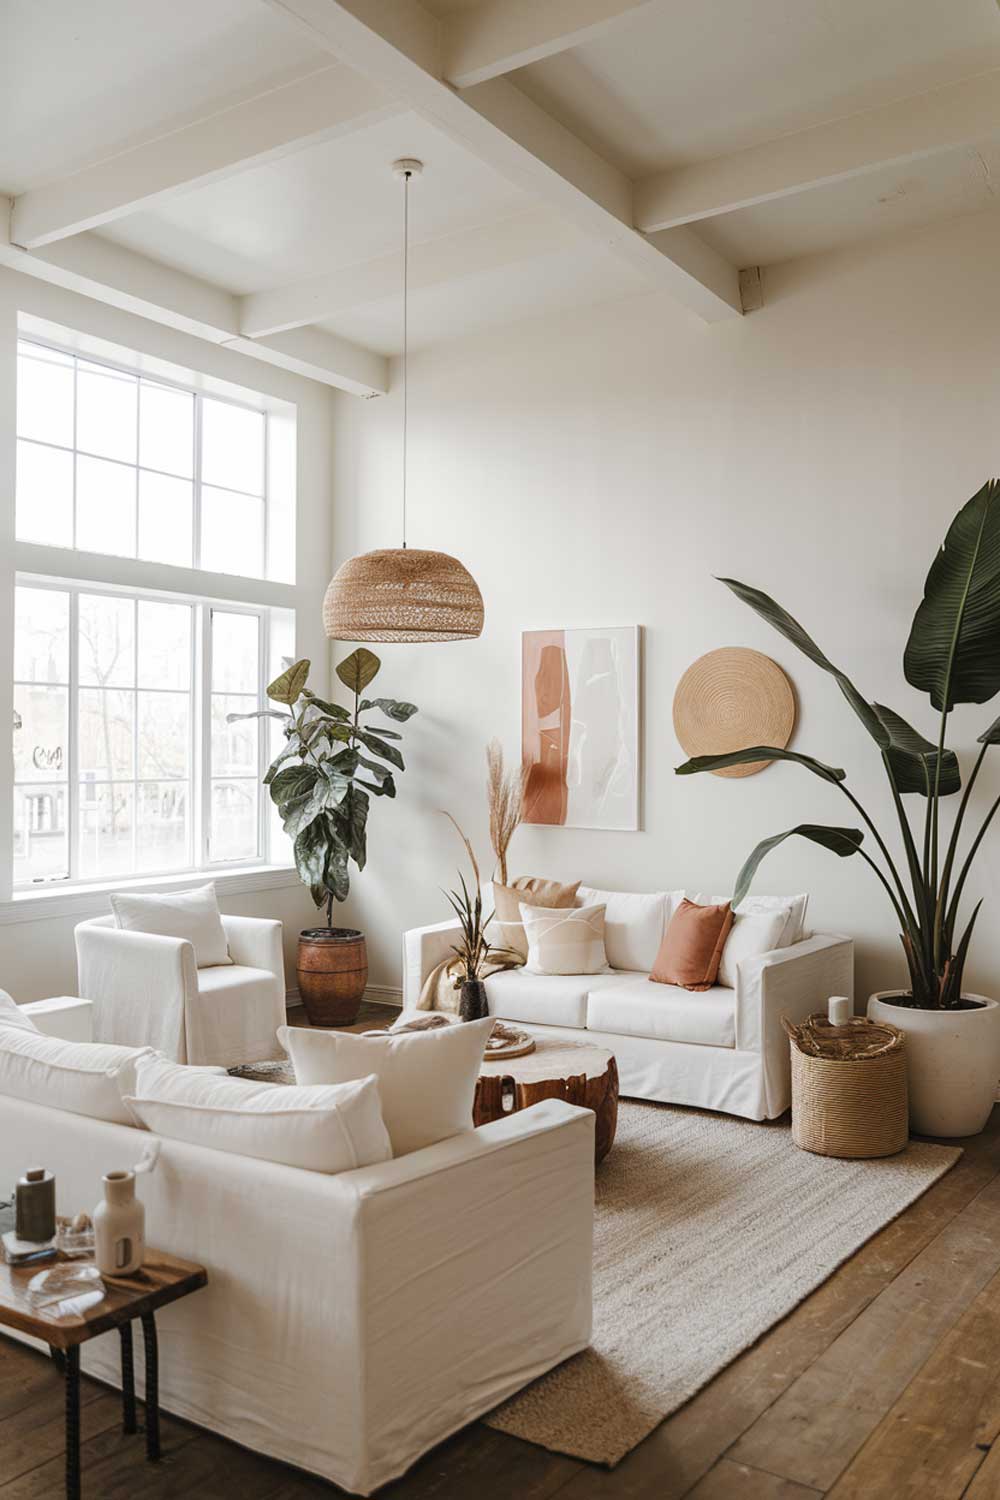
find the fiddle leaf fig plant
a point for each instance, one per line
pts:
(331, 765)
(953, 655)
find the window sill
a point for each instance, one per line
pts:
(92, 900)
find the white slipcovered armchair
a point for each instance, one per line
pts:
(147, 991)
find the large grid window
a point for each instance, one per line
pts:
(125, 762)
(110, 461)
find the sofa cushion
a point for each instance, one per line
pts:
(565, 941)
(85, 1078)
(331, 1129)
(631, 1006)
(543, 1000)
(193, 915)
(634, 924)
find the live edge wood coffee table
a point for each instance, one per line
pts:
(163, 1279)
(574, 1071)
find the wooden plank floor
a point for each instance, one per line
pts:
(883, 1385)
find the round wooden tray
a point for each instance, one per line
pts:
(512, 1049)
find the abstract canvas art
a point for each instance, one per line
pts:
(580, 727)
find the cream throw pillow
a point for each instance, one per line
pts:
(11, 1014)
(193, 915)
(507, 929)
(565, 941)
(634, 924)
(85, 1078)
(749, 936)
(320, 1129)
(427, 1079)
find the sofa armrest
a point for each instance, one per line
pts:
(140, 983)
(423, 949)
(790, 982)
(477, 1256)
(257, 943)
(65, 1016)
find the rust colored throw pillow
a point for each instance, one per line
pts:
(507, 929)
(692, 946)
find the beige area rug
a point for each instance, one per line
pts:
(708, 1231)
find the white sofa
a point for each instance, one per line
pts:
(721, 1049)
(148, 992)
(350, 1322)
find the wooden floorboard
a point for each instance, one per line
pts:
(884, 1383)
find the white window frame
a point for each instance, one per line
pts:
(200, 396)
(200, 748)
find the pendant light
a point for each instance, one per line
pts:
(400, 593)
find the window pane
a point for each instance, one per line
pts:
(234, 652)
(234, 746)
(41, 844)
(164, 645)
(107, 815)
(232, 446)
(165, 519)
(234, 820)
(106, 734)
(45, 400)
(232, 533)
(164, 734)
(107, 626)
(106, 412)
(41, 740)
(163, 836)
(105, 507)
(44, 495)
(41, 635)
(166, 429)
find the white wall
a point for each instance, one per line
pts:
(600, 467)
(37, 956)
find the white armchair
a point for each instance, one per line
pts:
(147, 991)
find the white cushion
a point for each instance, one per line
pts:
(633, 924)
(11, 1014)
(564, 940)
(193, 915)
(85, 1078)
(635, 1006)
(543, 1000)
(748, 937)
(750, 906)
(332, 1129)
(427, 1079)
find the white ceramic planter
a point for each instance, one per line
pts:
(953, 1062)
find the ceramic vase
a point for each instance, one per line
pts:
(472, 1004)
(119, 1227)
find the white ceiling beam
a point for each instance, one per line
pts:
(498, 36)
(318, 107)
(449, 258)
(958, 115)
(400, 47)
(109, 273)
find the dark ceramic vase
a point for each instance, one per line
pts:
(472, 1002)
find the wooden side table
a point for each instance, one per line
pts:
(162, 1280)
(575, 1071)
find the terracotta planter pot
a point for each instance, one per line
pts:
(333, 971)
(952, 1061)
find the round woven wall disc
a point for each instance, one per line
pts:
(730, 699)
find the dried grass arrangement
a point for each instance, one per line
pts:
(505, 798)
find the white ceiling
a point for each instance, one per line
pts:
(664, 85)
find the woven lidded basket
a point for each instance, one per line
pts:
(848, 1087)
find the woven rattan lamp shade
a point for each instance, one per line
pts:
(402, 594)
(731, 699)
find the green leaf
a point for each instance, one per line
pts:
(293, 782)
(345, 762)
(381, 773)
(334, 710)
(357, 670)
(757, 753)
(310, 850)
(991, 736)
(913, 759)
(842, 841)
(283, 755)
(336, 876)
(288, 687)
(379, 747)
(260, 713)
(351, 820)
(386, 789)
(386, 734)
(299, 813)
(952, 650)
(391, 708)
(779, 618)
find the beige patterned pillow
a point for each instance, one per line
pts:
(564, 940)
(507, 929)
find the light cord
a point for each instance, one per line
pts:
(406, 313)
